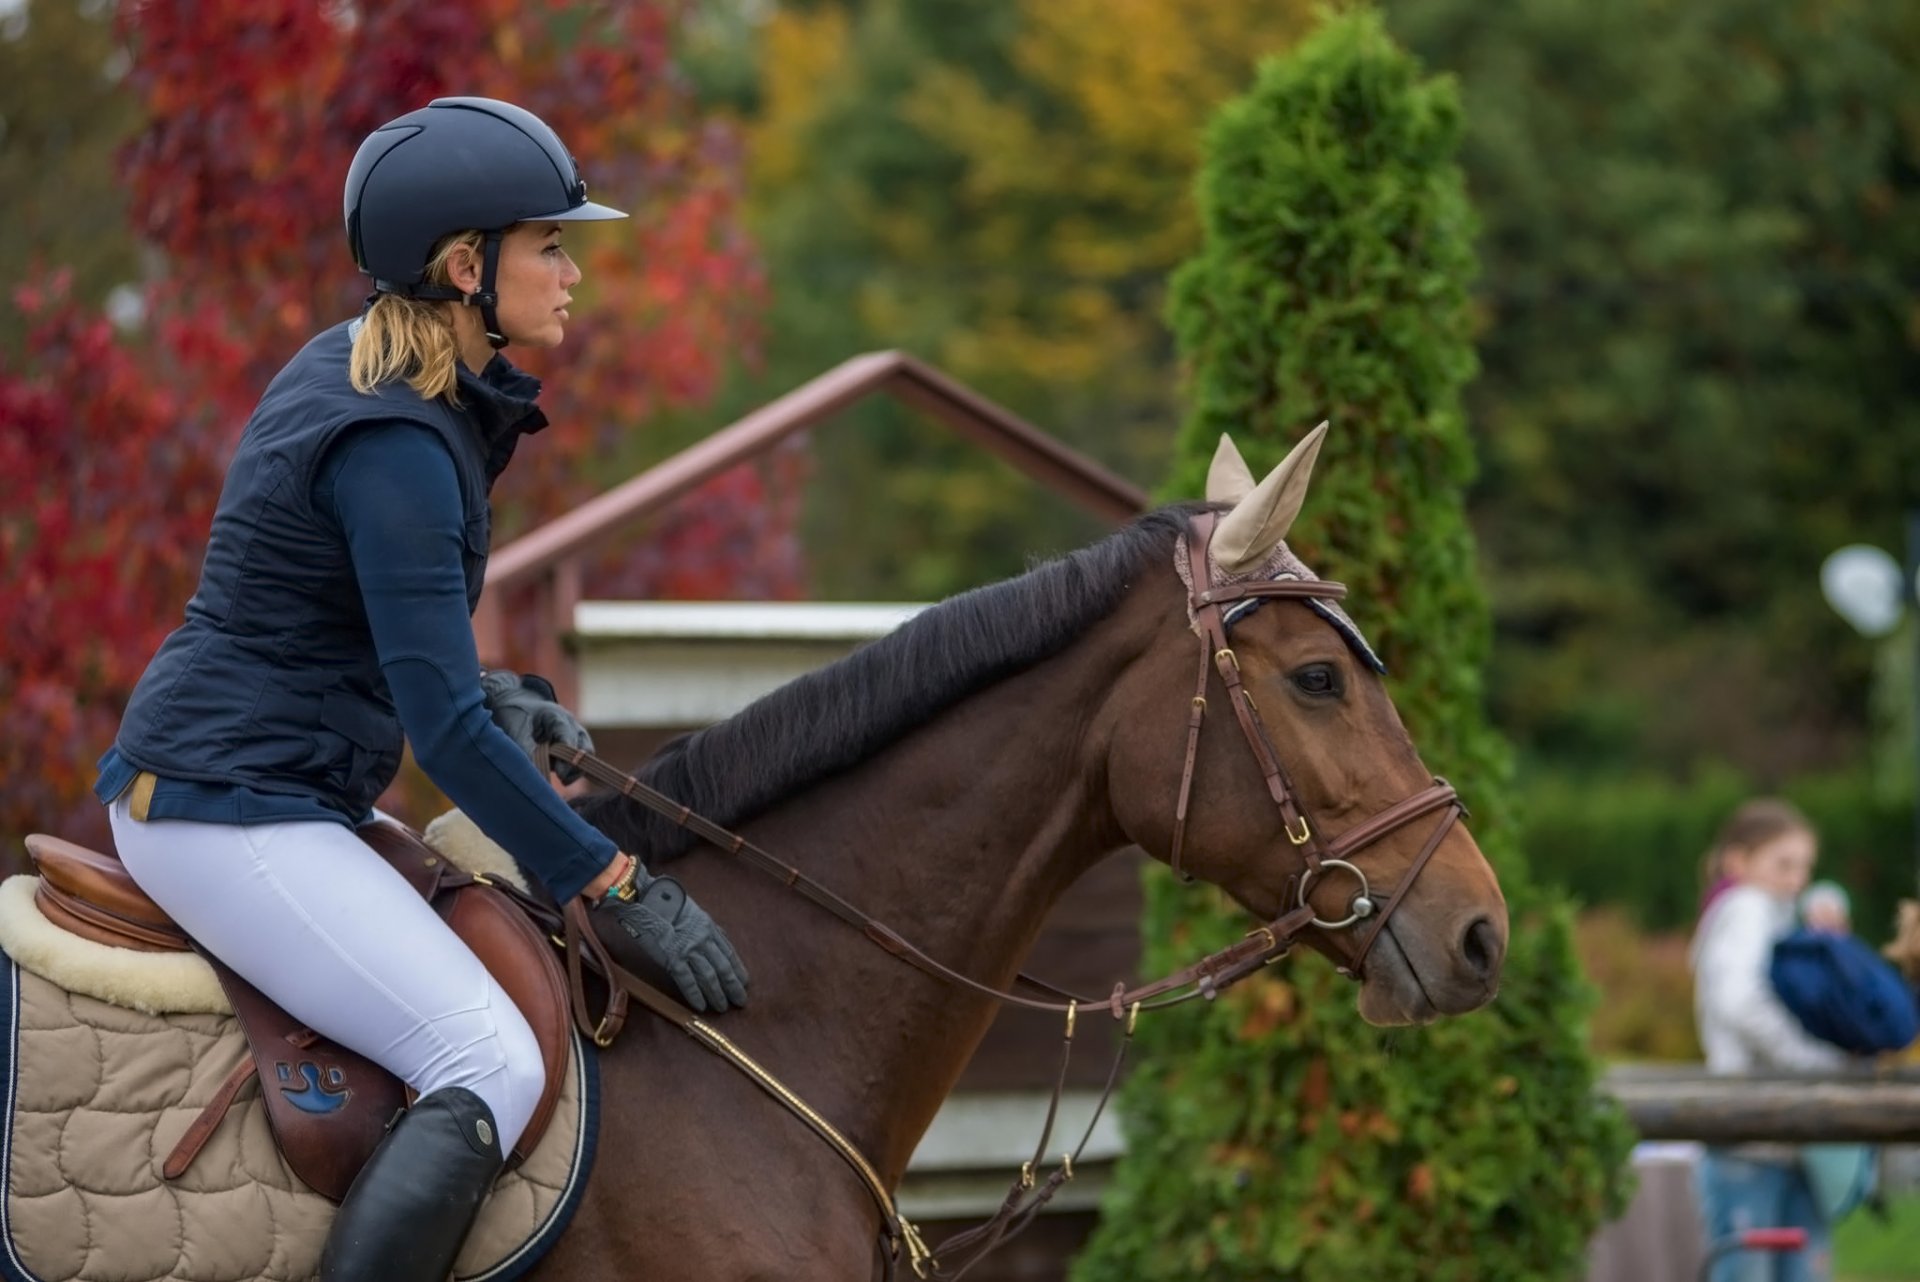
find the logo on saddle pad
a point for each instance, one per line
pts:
(316, 1092)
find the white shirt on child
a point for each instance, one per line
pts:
(1743, 1026)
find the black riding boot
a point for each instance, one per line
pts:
(410, 1207)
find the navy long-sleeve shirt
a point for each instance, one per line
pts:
(393, 489)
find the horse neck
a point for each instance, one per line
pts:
(961, 838)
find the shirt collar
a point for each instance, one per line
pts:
(501, 398)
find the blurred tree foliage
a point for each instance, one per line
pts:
(1001, 187)
(1644, 979)
(1637, 841)
(1700, 334)
(65, 109)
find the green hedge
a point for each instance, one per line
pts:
(1277, 1136)
(1636, 843)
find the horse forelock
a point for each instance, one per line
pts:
(836, 717)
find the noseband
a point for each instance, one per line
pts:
(1205, 599)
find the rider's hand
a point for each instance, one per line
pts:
(677, 935)
(524, 707)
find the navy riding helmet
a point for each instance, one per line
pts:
(457, 164)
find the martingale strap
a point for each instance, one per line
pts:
(581, 940)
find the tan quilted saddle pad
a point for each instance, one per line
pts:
(97, 1095)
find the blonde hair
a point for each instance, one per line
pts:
(412, 338)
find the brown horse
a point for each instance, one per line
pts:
(954, 779)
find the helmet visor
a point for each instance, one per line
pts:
(585, 211)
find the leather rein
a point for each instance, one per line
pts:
(1207, 977)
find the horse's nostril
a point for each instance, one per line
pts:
(1481, 948)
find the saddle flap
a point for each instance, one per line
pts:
(92, 894)
(328, 1107)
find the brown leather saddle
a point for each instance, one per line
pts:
(328, 1107)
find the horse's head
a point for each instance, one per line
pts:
(1266, 758)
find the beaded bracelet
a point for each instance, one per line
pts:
(623, 888)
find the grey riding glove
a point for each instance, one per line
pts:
(677, 935)
(524, 707)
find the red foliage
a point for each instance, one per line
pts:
(111, 447)
(107, 478)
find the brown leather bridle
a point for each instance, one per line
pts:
(1206, 599)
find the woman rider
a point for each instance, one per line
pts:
(332, 617)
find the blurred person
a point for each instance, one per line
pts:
(1767, 849)
(331, 620)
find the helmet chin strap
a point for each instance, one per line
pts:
(487, 297)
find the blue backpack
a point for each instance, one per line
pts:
(1843, 993)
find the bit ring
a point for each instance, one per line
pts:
(1362, 906)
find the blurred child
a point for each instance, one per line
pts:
(1766, 849)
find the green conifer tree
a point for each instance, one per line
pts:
(1277, 1135)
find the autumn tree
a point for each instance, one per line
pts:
(107, 480)
(250, 111)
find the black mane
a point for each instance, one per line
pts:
(837, 716)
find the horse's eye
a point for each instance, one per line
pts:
(1317, 679)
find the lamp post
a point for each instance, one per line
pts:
(1868, 589)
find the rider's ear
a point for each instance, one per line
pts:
(463, 268)
(1260, 520)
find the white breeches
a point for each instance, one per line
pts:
(307, 913)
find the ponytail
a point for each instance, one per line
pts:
(411, 338)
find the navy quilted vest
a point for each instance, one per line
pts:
(272, 682)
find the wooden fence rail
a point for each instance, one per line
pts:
(1686, 1104)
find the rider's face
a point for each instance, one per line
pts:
(536, 280)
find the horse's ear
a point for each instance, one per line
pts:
(1229, 479)
(1260, 520)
